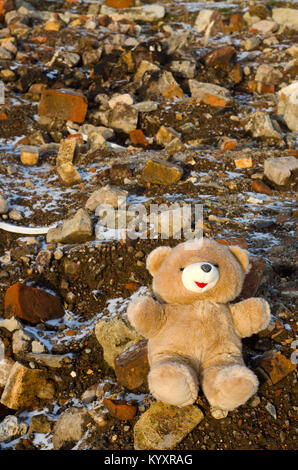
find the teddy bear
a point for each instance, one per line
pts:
(194, 330)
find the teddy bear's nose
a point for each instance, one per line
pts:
(206, 268)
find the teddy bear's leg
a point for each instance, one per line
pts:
(228, 386)
(173, 382)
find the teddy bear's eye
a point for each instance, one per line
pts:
(181, 269)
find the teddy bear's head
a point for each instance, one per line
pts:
(198, 270)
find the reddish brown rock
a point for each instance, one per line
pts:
(275, 365)
(233, 241)
(253, 278)
(31, 304)
(67, 105)
(236, 23)
(137, 137)
(132, 367)
(120, 409)
(221, 56)
(5, 6)
(120, 3)
(259, 187)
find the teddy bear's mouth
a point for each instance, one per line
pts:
(201, 284)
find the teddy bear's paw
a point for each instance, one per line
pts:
(173, 383)
(218, 413)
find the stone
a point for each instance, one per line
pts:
(68, 174)
(66, 152)
(138, 138)
(40, 424)
(66, 105)
(210, 94)
(250, 44)
(279, 170)
(6, 365)
(275, 365)
(53, 25)
(268, 74)
(161, 83)
(6, 6)
(11, 427)
(110, 195)
(22, 387)
(259, 187)
(11, 324)
(171, 222)
(120, 3)
(165, 135)
(70, 427)
(293, 51)
(145, 66)
(123, 118)
(163, 426)
(132, 367)
(260, 126)
(31, 304)
(221, 56)
(264, 27)
(29, 155)
(288, 105)
(5, 54)
(96, 140)
(161, 172)
(146, 13)
(253, 278)
(120, 409)
(115, 336)
(244, 162)
(233, 241)
(37, 347)
(175, 146)
(285, 16)
(3, 205)
(77, 229)
(183, 68)
(53, 361)
(16, 215)
(145, 106)
(21, 342)
(209, 19)
(121, 99)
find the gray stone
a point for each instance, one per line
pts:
(123, 118)
(145, 106)
(183, 68)
(279, 170)
(53, 361)
(16, 215)
(70, 427)
(75, 230)
(11, 428)
(110, 195)
(146, 13)
(268, 74)
(115, 336)
(201, 92)
(20, 342)
(259, 125)
(3, 205)
(252, 43)
(163, 426)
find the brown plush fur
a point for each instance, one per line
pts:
(196, 336)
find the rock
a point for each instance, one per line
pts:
(6, 6)
(209, 19)
(66, 152)
(165, 135)
(253, 278)
(16, 215)
(23, 387)
(183, 68)
(145, 106)
(53, 361)
(161, 83)
(11, 428)
(137, 137)
(259, 187)
(68, 174)
(123, 118)
(245, 162)
(96, 140)
(268, 74)
(175, 146)
(259, 125)
(89, 395)
(37, 347)
(115, 336)
(109, 195)
(264, 27)
(120, 409)
(121, 99)
(5, 54)
(275, 365)
(252, 43)
(221, 56)
(132, 367)
(271, 410)
(5, 368)
(120, 3)
(279, 170)
(146, 13)
(77, 229)
(285, 16)
(145, 66)
(31, 304)
(288, 105)
(210, 94)
(29, 155)
(172, 222)
(11, 324)
(163, 426)
(66, 105)
(161, 172)
(40, 424)
(53, 25)
(70, 427)
(293, 51)
(3, 205)
(21, 342)
(233, 241)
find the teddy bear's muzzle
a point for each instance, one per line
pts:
(200, 277)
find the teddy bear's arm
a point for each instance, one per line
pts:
(250, 316)
(146, 315)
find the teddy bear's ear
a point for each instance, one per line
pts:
(242, 257)
(156, 258)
